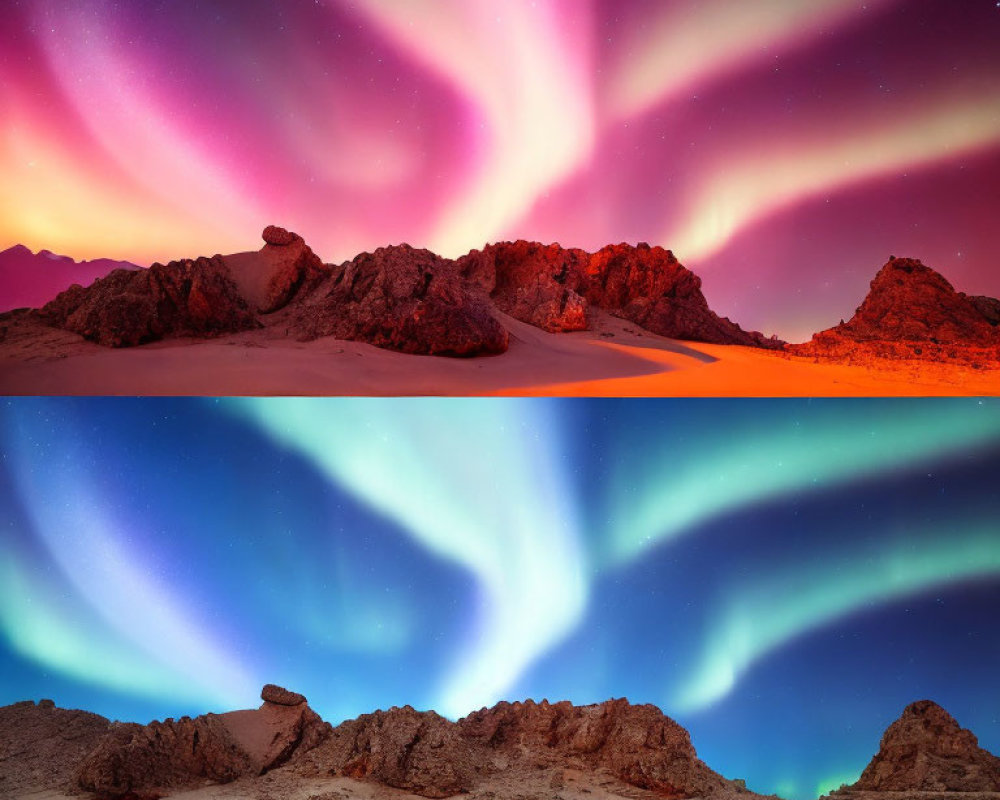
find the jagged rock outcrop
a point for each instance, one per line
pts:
(638, 744)
(126, 308)
(41, 746)
(428, 755)
(403, 299)
(911, 310)
(420, 752)
(532, 282)
(927, 750)
(180, 753)
(551, 287)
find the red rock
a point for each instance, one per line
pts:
(278, 236)
(528, 280)
(638, 744)
(910, 311)
(402, 299)
(185, 753)
(420, 752)
(927, 750)
(430, 756)
(282, 269)
(41, 746)
(280, 696)
(551, 287)
(183, 298)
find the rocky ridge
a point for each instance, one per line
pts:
(552, 287)
(557, 749)
(426, 754)
(397, 297)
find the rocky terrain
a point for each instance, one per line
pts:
(398, 297)
(509, 752)
(42, 746)
(635, 750)
(912, 312)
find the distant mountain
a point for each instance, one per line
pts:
(926, 750)
(32, 279)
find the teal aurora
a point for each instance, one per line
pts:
(782, 577)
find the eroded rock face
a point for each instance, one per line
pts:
(927, 750)
(164, 755)
(41, 745)
(420, 752)
(912, 304)
(403, 299)
(637, 744)
(551, 287)
(182, 298)
(282, 269)
(176, 754)
(425, 754)
(650, 287)
(397, 297)
(532, 282)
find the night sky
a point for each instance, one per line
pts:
(782, 148)
(782, 577)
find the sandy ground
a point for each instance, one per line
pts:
(615, 359)
(286, 784)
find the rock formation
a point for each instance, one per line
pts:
(41, 746)
(397, 297)
(181, 753)
(926, 750)
(637, 744)
(911, 310)
(551, 287)
(182, 298)
(268, 279)
(426, 754)
(403, 299)
(420, 752)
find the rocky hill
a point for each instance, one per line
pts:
(621, 749)
(398, 297)
(927, 750)
(911, 311)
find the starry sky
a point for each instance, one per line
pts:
(782, 148)
(780, 576)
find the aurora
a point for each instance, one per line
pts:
(780, 149)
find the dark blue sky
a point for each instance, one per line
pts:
(780, 576)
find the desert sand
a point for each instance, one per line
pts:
(615, 358)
